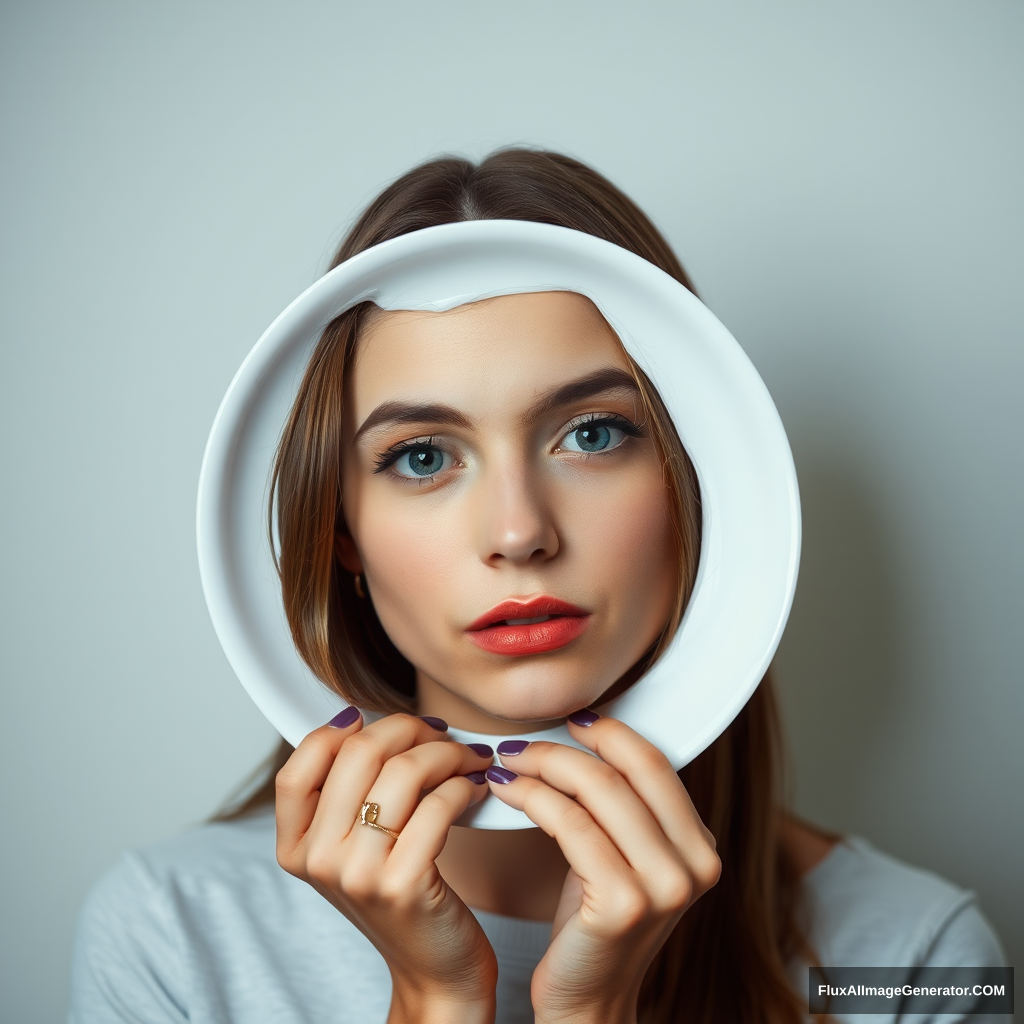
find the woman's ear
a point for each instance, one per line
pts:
(346, 552)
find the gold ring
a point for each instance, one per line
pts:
(368, 816)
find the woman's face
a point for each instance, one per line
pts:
(498, 469)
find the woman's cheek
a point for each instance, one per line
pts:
(631, 554)
(412, 564)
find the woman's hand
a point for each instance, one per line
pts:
(442, 966)
(638, 856)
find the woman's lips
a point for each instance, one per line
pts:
(517, 628)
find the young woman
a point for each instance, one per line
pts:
(486, 519)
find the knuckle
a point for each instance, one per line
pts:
(651, 761)
(676, 891)
(363, 744)
(632, 906)
(287, 781)
(288, 860)
(398, 766)
(409, 724)
(314, 741)
(320, 866)
(576, 819)
(394, 890)
(437, 801)
(708, 870)
(413, 759)
(358, 884)
(607, 775)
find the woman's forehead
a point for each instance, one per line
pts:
(532, 337)
(565, 323)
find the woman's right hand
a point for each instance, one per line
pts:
(442, 966)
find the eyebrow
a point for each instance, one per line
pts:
(409, 412)
(598, 383)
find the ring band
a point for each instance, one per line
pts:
(368, 816)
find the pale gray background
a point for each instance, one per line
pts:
(844, 181)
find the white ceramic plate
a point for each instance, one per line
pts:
(721, 409)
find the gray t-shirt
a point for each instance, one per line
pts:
(207, 928)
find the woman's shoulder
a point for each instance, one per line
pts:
(214, 850)
(193, 925)
(210, 847)
(866, 908)
(215, 859)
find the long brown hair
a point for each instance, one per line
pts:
(726, 960)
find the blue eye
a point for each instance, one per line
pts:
(421, 461)
(593, 437)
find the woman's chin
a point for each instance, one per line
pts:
(535, 711)
(519, 697)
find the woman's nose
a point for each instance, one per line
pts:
(516, 521)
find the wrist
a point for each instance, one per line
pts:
(611, 1011)
(600, 1015)
(414, 1005)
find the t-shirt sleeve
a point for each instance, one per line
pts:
(966, 939)
(126, 962)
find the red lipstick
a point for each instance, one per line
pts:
(517, 628)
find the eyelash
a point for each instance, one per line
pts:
(383, 461)
(628, 427)
(386, 459)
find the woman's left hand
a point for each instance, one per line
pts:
(638, 855)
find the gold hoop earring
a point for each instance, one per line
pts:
(358, 581)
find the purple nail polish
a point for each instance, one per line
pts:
(481, 748)
(501, 775)
(343, 719)
(435, 723)
(478, 777)
(509, 747)
(584, 717)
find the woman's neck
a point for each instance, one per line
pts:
(516, 873)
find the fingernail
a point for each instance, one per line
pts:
(482, 749)
(343, 719)
(584, 717)
(501, 775)
(478, 777)
(509, 747)
(435, 723)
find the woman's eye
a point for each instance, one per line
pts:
(593, 437)
(421, 461)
